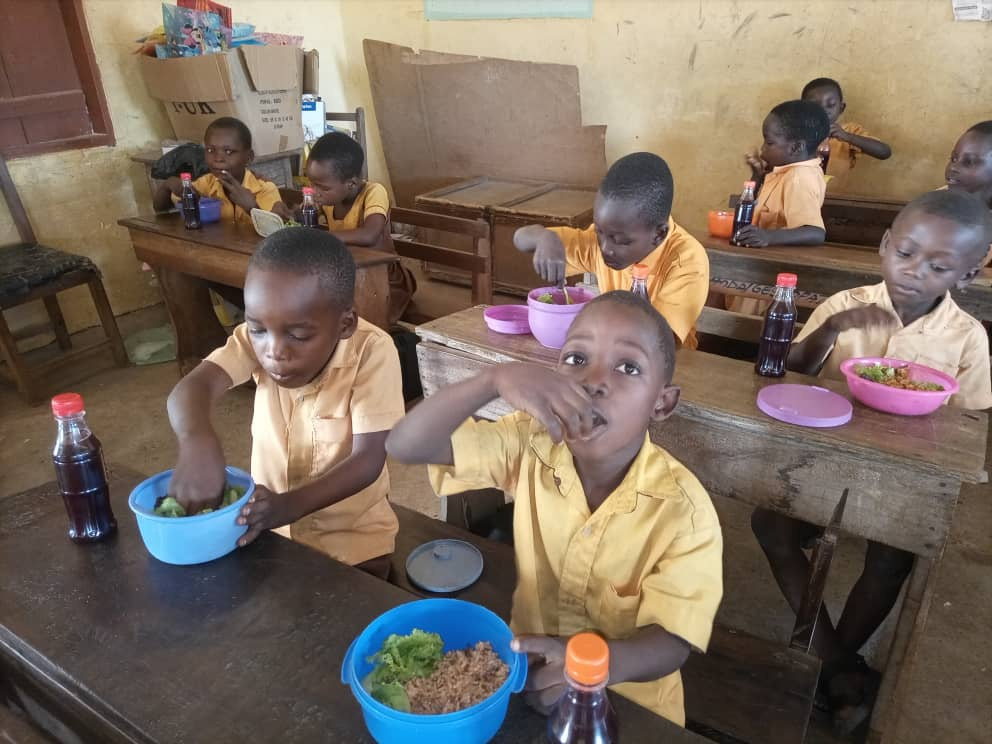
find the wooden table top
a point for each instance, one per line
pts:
(230, 236)
(248, 647)
(950, 441)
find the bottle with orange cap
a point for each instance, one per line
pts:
(309, 213)
(640, 284)
(584, 715)
(776, 334)
(79, 469)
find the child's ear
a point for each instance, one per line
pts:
(660, 233)
(251, 155)
(967, 278)
(797, 147)
(666, 402)
(884, 243)
(348, 323)
(843, 108)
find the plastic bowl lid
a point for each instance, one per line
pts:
(507, 318)
(444, 566)
(805, 405)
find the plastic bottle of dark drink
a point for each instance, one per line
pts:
(310, 213)
(744, 213)
(190, 203)
(79, 469)
(640, 284)
(824, 152)
(584, 715)
(780, 322)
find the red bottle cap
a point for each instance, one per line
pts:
(308, 190)
(640, 271)
(186, 176)
(786, 280)
(587, 659)
(750, 185)
(66, 404)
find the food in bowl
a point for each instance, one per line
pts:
(412, 675)
(169, 507)
(546, 298)
(896, 377)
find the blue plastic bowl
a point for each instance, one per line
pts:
(460, 624)
(209, 210)
(187, 540)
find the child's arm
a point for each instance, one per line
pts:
(266, 510)
(808, 356)
(758, 237)
(548, 249)
(868, 145)
(198, 479)
(368, 235)
(162, 198)
(649, 654)
(423, 436)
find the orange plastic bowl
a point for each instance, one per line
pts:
(721, 223)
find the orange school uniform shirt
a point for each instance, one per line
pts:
(843, 157)
(372, 199)
(947, 339)
(651, 554)
(266, 194)
(678, 282)
(791, 196)
(299, 434)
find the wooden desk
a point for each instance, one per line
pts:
(823, 270)
(861, 220)
(904, 474)
(186, 261)
(121, 648)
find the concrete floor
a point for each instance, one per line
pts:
(951, 691)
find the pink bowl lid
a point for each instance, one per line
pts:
(507, 318)
(805, 405)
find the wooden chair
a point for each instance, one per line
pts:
(29, 271)
(358, 119)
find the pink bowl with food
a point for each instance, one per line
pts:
(898, 400)
(550, 321)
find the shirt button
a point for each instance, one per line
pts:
(586, 532)
(558, 481)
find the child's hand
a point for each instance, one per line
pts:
(837, 132)
(545, 672)
(237, 193)
(752, 236)
(869, 316)
(264, 511)
(758, 166)
(561, 405)
(549, 258)
(198, 480)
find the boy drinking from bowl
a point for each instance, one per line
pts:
(939, 241)
(632, 224)
(610, 531)
(328, 391)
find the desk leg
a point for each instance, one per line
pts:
(198, 332)
(372, 295)
(902, 653)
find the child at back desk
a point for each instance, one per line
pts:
(847, 140)
(610, 531)
(938, 241)
(631, 224)
(356, 211)
(328, 391)
(969, 169)
(227, 147)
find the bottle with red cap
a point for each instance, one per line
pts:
(640, 284)
(780, 322)
(744, 214)
(584, 714)
(79, 469)
(309, 215)
(190, 203)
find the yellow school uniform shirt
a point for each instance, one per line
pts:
(678, 282)
(650, 554)
(843, 157)
(266, 194)
(947, 339)
(372, 199)
(299, 434)
(791, 196)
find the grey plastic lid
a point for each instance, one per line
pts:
(444, 566)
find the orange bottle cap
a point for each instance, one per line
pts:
(587, 659)
(786, 280)
(308, 190)
(640, 271)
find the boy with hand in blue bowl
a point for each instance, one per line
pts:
(328, 391)
(611, 533)
(938, 242)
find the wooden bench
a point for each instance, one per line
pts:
(743, 689)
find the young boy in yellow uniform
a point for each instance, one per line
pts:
(632, 224)
(328, 392)
(848, 140)
(611, 533)
(227, 148)
(356, 211)
(969, 169)
(939, 241)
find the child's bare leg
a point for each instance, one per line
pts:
(780, 538)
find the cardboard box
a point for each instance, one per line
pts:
(258, 84)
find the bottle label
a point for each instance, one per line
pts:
(81, 476)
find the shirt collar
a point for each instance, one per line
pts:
(812, 163)
(936, 319)
(345, 355)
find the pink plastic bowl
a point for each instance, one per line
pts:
(893, 400)
(550, 323)
(507, 318)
